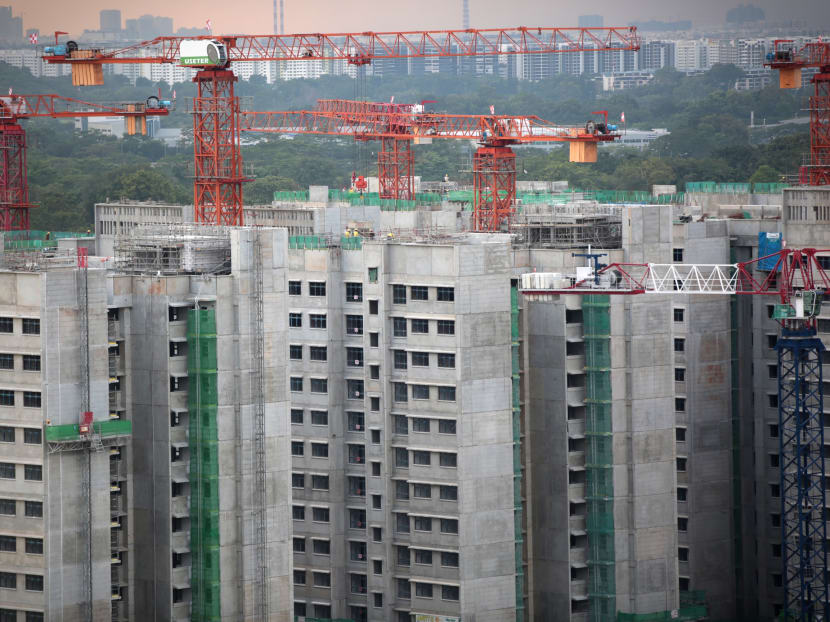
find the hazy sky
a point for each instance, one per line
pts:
(255, 17)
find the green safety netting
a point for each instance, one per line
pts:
(291, 195)
(518, 518)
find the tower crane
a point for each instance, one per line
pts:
(14, 184)
(398, 125)
(789, 60)
(218, 177)
(797, 278)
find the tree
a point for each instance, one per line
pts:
(765, 174)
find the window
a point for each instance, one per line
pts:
(297, 448)
(316, 320)
(679, 374)
(354, 389)
(8, 507)
(401, 424)
(296, 384)
(34, 546)
(772, 371)
(448, 493)
(772, 340)
(319, 385)
(376, 437)
(8, 544)
(680, 404)
(445, 294)
(318, 353)
(31, 362)
(677, 254)
(357, 583)
(377, 502)
(31, 399)
(403, 556)
(354, 324)
(446, 360)
(31, 326)
(446, 426)
(354, 421)
(420, 424)
(377, 599)
(401, 490)
(401, 523)
(419, 326)
(423, 590)
(295, 320)
(774, 461)
(295, 352)
(317, 288)
(423, 557)
(373, 275)
(680, 435)
(320, 482)
(357, 454)
(374, 340)
(449, 560)
(299, 609)
(419, 292)
(682, 523)
(400, 391)
(297, 480)
(320, 515)
(679, 344)
(399, 326)
(357, 519)
(295, 288)
(297, 416)
(449, 592)
(374, 372)
(34, 509)
(354, 292)
(320, 450)
(373, 307)
(299, 544)
(6, 397)
(34, 616)
(8, 580)
(401, 457)
(420, 392)
(775, 490)
(448, 460)
(678, 315)
(321, 579)
(357, 486)
(299, 577)
(446, 327)
(6, 434)
(400, 359)
(683, 553)
(34, 582)
(777, 580)
(6, 361)
(321, 547)
(357, 551)
(420, 359)
(421, 457)
(354, 357)
(776, 550)
(772, 400)
(446, 394)
(422, 523)
(775, 519)
(404, 591)
(449, 525)
(421, 491)
(33, 472)
(322, 611)
(7, 470)
(375, 469)
(681, 464)
(773, 430)
(6, 325)
(374, 403)
(399, 294)
(319, 417)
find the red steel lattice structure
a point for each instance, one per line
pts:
(397, 125)
(14, 184)
(789, 62)
(218, 185)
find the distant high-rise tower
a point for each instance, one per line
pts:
(465, 13)
(276, 20)
(282, 17)
(590, 21)
(110, 20)
(279, 18)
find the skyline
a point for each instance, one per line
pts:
(327, 17)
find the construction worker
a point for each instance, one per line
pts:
(48, 235)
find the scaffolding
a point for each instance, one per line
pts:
(518, 511)
(204, 464)
(599, 464)
(174, 249)
(573, 226)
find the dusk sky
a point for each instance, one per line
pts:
(338, 16)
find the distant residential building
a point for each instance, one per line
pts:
(590, 21)
(633, 79)
(656, 55)
(11, 28)
(640, 138)
(691, 55)
(110, 20)
(754, 79)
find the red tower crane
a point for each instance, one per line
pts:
(218, 159)
(398, 125)
(14, 185)
(789, 61)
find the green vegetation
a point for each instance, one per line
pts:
(69, 171)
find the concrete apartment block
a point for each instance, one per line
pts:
(406, 383)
